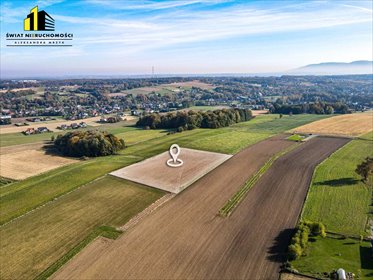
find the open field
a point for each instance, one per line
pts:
(167, 88)
(154, 171)
(344, 125)
(23, 196)
(51, 125)
(26, 195)
(31, 244)
(11, 139)
(186, 239)
(23, 161)
(205, 108)
(337, 197)
(232, 139)
(331, 253)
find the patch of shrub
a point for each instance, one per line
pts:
(299, 242)
(194, 119)
(89, 143)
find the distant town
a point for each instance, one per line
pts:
(25, 101)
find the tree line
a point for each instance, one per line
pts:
(91, 143)
(313, 108)
(187, 120)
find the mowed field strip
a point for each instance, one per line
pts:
(186, 239)
(343, 125)
(31, 244)
(22, 161)
(338, 198)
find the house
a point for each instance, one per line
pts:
(74, 126)
(63, 127)
(5, 119)
(42, 129)
(29, 131)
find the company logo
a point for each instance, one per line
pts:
(38, 21)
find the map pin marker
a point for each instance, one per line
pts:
(174, 154)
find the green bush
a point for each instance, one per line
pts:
(299, 242)
(294, 251)
(89, 143)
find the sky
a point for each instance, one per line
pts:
(124, 37)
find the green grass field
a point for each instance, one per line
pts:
(10, 139)
(232, 139)
(296, 138)
(328, 254)
(23, 196)
(206, 108)
(337, 197)
(31, 244)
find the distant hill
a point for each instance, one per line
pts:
(336, 68)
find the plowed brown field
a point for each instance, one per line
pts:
(185, 239)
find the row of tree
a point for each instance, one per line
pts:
(91, 143)
(299, 242)
(313, 108)
(183, 120)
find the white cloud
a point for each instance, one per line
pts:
(151, 5)
(179, 27)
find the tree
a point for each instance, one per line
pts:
(365, 168)
(193, 119)
(89, 143)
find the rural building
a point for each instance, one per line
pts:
(5, 119)
(341, 274)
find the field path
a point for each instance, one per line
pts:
(185, 239)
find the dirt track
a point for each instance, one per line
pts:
(185, 239)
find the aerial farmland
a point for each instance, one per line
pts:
(190, 220)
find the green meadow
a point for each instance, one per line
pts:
(337, 197)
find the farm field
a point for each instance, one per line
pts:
(45, 187)
(167, 88)
(12, 139)
(23, 161)
(185, 238)
(57, 227)
(331, 253)
(343, 125)
(234, 138)
(205, 108)
(20, 197)
(51, 125)
(155, 173)
(337, 197)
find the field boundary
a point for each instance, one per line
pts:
(48, 202)
(101, 231)
(314, 174)
(235, 200)
(146, 212)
